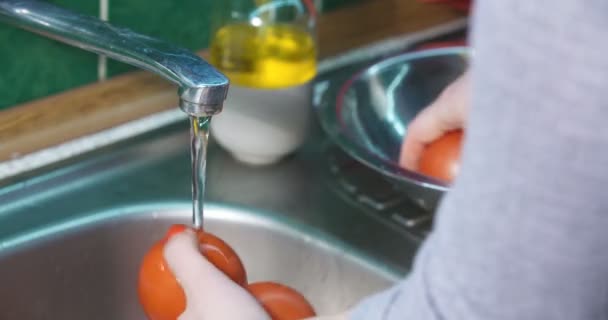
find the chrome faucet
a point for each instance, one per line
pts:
(202, 89)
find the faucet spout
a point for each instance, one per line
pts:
(202, 88)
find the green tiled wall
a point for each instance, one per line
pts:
(33, 66)
(189, 20)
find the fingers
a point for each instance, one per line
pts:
(425, 128)
(446, 113)
(190, 267)
(210, 294)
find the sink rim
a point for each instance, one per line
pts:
(229, 212)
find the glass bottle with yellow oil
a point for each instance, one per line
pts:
(268, 50)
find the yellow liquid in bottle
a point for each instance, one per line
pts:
(269, 57)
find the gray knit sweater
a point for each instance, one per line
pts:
(523, 233)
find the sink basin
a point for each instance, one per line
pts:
(87, 268)
(72, 233)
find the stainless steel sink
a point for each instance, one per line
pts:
(72, 233)
(72, 236)
(89, 271)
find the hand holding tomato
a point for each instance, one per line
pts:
(209, 292)
(162, 296)
(192, 275)
(211, 295)
(441, 158)
(447, 113)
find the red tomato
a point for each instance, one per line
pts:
(281, 302)
(173, 230)
(441, 158)
(221, 255)
(160, 295)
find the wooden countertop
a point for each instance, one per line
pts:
(56, 119)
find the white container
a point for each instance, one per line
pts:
(261, 126)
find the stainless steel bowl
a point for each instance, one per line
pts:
(368, 114)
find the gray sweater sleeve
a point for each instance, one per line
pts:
(523, 233)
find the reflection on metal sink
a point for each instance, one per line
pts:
(87, 268)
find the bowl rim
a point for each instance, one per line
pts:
(335, 103)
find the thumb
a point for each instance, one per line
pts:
(448, 112)
(186, 261)
(424, 129)
(210, 294)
